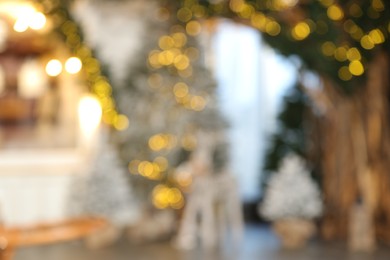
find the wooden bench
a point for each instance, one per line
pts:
(12, 238)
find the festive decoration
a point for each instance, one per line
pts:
(167, 96)
(214, 200)
(291, 201)
(291, 193)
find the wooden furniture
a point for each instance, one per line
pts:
(13, 238)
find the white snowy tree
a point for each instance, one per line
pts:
(291, 192)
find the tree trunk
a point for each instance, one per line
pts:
(354, 145)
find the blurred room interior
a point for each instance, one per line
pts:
(194, 129)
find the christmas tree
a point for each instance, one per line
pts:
(166, 93)
(291, 193)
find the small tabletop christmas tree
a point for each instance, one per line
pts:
(292, 200)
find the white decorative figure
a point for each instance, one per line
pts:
(214, 198)
(292, 200)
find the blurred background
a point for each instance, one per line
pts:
(212, 129)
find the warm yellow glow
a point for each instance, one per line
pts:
(73, 65)
(344, 73)
(335, 12)
(166, 57)
(37, 21)
(166, 42)
(90, 114)
(198, 103)
(353, 54)
(184, 14)
(300, 31)
(378, 5)
(158, 142)
(284, 4)
(272, 28)
(356, 68)
(259, 21)
(180, 89)
(377, 36)
(193, 28)
(164, 196)
(21, 25)
(162, 163)
(367, 43)
(154, 59)
(16, 9)
(53, 68)
(133, 166)
(121, 122)
(181, 62)
(179, 39)
(340, 54)
(237, 5)
(328, 48)
(247, 11)
(355, 10)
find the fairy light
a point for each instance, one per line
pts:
(53, 68)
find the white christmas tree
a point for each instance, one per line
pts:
(291, 193)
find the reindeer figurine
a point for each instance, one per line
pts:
(213, 204)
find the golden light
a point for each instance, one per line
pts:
(237, 5)
(158, 142)
(356, 68)
(133, 166)
(180, 39)
(367, 43)
(353, 54)
(335, 12)
(284, 4)
(328, 48)
(166, 42)
(184, 14)
(162, 163)
(340, 54)
(272, 28)
(53, 68)
(21, 25)
(180, 89)
(377, 5)
(166, 57)
(73, 65)
(17, 9)
(300, 31)
(160, 196)
(37, 21)
(259, 21)
(121, 122)
(90, 114)
(181, 62)
(198, 103)
(193, 28)
(377, 36)
(355, 10)
(344, 73)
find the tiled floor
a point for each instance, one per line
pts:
(259, 244)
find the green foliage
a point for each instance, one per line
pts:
(291, 135)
